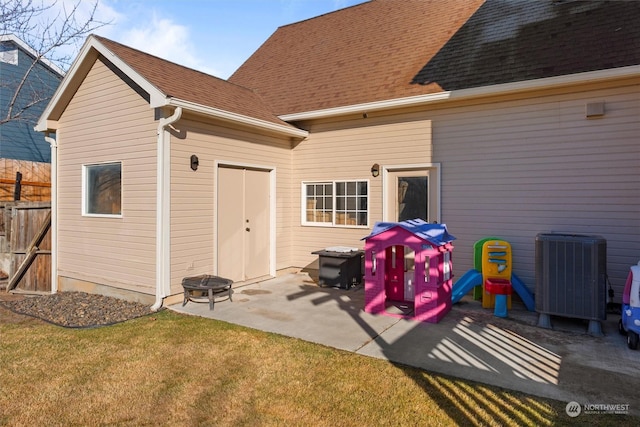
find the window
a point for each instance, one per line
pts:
(102, 191)
(411, 191)
(413, 196)
(336, 203)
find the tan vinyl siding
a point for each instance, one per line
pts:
(517, 168)
(346, 150)
(192, 201)
(107, 121)
(513, 167)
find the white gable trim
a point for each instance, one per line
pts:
(463, 94)
(157, 97)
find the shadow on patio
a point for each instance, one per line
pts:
(469, 343)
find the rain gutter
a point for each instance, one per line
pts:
(471, 93)
(283, 129)
(163, 254)
(54, 211)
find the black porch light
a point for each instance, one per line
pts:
(375, 170)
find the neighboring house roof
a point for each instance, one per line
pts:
(168, 84)
(390, 49)
(363, 53)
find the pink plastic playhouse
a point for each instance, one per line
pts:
(410, 263)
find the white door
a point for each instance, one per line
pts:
(408, 195)
(243, 223)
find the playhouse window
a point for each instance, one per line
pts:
(102, 192)
(446, 273)
(336, 203)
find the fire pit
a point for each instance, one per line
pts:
(212, 285)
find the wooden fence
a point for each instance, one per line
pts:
(23, 236)
(35, 183)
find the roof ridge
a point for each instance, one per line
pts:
(364, 2)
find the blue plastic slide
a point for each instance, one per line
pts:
(525, 295)
(473, 278)
(468, 281)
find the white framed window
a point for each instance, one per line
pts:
(336, 203)
(102, 189)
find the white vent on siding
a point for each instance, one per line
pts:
(9, 56)
(595, 109)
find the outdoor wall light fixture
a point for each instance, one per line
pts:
(375, 170)
(194, 162)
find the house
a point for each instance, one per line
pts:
(18, 139)
(499, 118)
(22, 149)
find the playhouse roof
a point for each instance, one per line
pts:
(433, 233)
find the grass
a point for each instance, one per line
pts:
(172, 369)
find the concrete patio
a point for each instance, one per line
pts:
(565, 363)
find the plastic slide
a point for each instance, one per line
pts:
(525, 295)
(468, 281)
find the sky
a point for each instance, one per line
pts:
(212, 36)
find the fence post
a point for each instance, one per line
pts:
(18, 187)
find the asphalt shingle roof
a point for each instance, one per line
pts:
(369, 52)
(194, 86)
(508, 41)
(389, 49)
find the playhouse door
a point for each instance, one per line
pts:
(394, 273)
(243, 223)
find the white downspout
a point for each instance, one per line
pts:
(54, 212)
(162, 209)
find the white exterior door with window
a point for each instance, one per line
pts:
(411, 192)
(408, 195)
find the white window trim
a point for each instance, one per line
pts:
(332, 224)
(84, 191)
(432, 167)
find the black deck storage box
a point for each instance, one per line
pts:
(339, 269)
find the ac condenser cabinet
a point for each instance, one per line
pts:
(571, 275)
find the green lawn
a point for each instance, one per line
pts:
(172, 369)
